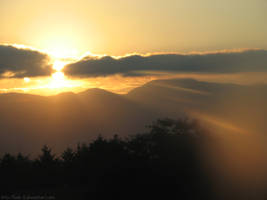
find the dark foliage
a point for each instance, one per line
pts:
(163, 163)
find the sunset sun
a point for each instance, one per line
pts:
(58, 79)
(58, 65)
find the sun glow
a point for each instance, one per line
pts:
(59, 65)
(58, 79)
(58, 76)
(63, 52)
(60, 44)
(27, 80)
(54, 84)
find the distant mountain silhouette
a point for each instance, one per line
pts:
(217, 101)
(29, 121)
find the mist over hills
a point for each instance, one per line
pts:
(242, 106)
(29, 121)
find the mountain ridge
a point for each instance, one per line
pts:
(29, 121)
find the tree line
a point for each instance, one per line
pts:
(162, 162)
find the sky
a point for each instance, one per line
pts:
(75, 31)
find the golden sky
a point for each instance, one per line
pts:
(74, 28)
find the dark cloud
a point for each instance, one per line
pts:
(137, 65)
(23, 62)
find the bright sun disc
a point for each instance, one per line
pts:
(58, 65)
(58, 76)
(27, 80)
(58, 80)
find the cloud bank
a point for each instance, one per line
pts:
(138, 65)
(18, 62)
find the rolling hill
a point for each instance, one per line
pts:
(29, 121)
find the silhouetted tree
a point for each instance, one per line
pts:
(68, 155)
(162, 162)
(46, 157)
(8, 161)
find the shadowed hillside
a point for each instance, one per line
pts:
(225, 103)
(29, 121)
